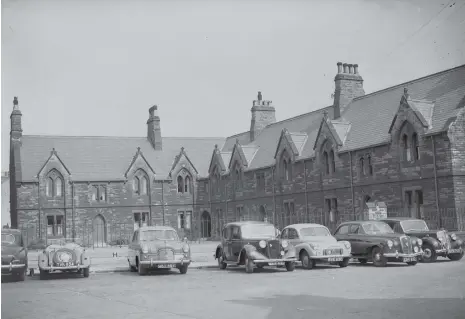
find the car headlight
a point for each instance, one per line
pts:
(145, 249)
(262, 244)
(185, 248)
(284, 243)
(420, 242)
(390, 244)
(453, 236)
(415, 249)
(347, 245)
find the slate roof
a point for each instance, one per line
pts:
(365, 122)
(99, 158)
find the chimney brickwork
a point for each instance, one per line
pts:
(349, 85)
(263, 114)
(16, 133)
(154, 129)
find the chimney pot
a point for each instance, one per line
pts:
(346, 68)
(339, 67)
(351, 68)
(355, 68)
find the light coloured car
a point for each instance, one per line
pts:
(315, 244)
(158, 247)
(64, 257)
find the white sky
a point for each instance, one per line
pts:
(95, 67)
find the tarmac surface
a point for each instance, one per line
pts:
(358, 291)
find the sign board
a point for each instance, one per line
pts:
(375, 210)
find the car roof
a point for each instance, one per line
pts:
(250, 222)
(360, 222)
(304, 225)
(156, 228)
(399, 219)
(11, 231)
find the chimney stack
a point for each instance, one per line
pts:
(16, 134)
(154, 129)
(339, 67)
(349, 85)
(263, 114)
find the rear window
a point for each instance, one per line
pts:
(8, 239)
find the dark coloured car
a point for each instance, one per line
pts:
(254, 244)
(14, 254)
(376, 241)
(435, 242)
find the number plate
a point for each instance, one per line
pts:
(64, 264)
(166, 266)
(335, 259)
(409, 259)
(454, 251)
(279, 263)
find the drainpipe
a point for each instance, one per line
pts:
(274, 194)
(163, 202)
(40, 208)
(210, 202)
(150, 203)
(72, 212)
(306, 195)
(64, 211)
(436, 181)
(352, 185)
(192, 188)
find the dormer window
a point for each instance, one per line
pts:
(187, 185)
(238, 177)
(141, 183)
(326, 162)
(180, 184)
(332, 161)
(54, 185)
(407, 152)
(416, 147)
(286, 167)
(184, 182)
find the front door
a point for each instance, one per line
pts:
(355, 239)
(236, 244)
(293, 237)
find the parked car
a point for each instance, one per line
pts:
(315, 244)
(435, 242)
(14, 254)
(64, 257)
(253, 244)
(376, 241)
(158, 247)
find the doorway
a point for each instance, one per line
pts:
(205, 225)
(99, 231)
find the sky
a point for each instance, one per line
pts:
(95, 67)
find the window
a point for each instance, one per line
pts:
(180, 184)
(54, 186)
(140, 219)
(49, 187)
(236, 233)
(260, 182)
(326, 162)
(407, 154)
(354, 229)
(184, 219)
(144, 186)
(416, 147)
(187, 185)
(239, 212)
(332, 161)
(343, 230)
(331, 208)
(226, 232)
(370, 165)
(99, 193)
(237, 179)
(55, 225)
(58, 187)
(293, 234)
(408, 198)
(136, 185)
(362, 166)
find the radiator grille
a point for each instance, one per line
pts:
(406, 244)
(335, 251)
(165, 254)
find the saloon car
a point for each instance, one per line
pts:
(14, 254)
(254, 244)
(435, 242)
(376, 241)
(315, 244)
(65, 257)
(158, 247)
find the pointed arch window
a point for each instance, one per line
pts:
(187, 185)
(362, 166)
(370, 165)
(54, 184)
(58, 187)
(416, 147)
(136, 185)
(406, 151)
(332, 161)
(326, 162)
(144, 185)
(49, 187)
(180, 181)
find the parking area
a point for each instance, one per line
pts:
(358, 291)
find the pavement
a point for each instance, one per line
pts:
(357, 291)
(114, 259)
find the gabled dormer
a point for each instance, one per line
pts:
(289, 148)
(54, 176)
(139, 174)
(183, 172)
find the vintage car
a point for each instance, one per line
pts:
(14, 254)
(315, 244)
(158, 247)
(375, 241)
(435, 242)
(64, 257)
(253, 244)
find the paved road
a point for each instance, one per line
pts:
(358, 291)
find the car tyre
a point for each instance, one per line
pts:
(85, 272)
(412, 263)
(455, 257)
(221, 263)
(307, 262)
(183, 269)
(141, 270)
(344, 263)
(43, 275)
(132, 268)
(378, 259)
(429, 254)
(248, 265)
(21, 276)
(290, 266)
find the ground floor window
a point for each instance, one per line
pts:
(184, 219)
(55, 225)
(140, 219)
(331, 208)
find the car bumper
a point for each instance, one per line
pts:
(11, 267)
(402, 255)
(327, 257)
(453, 251)
(52, 268)
(156, 263)
(281, 260)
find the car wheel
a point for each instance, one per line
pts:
(131, 268)
(307, 262)
(260, 266)
(141, 270)
(362, 261)
(344, 263)
(455, 257)
(429, 254)
(290, 266)
(412, 263)
(248, 265)
(378, 259)
(43, 274)
(21, 276)
(85, 271)
(221, 262)
(183, 269)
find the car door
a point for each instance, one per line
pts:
(285, 234)
(227, 242)
(236, 243)
(354, 239)
(293, 236)
(342, 232)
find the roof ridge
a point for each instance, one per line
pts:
(115, 137)
(409, 82)
(299, 116)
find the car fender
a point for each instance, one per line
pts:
(85, 259)
(219, 248)
(304, 247)
(247, 250)
(42, 259)
(430, 240)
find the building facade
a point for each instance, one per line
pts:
(5, 198)
(403, 146)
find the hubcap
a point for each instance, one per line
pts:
(427, 253)
(305, 261)
(378, 257)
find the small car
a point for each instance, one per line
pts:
(253, 244)
(14, 254)
(435, 242)
(158, 247)
(65, 257)
(315, 244)
(375, 241)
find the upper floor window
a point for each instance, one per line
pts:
(187, 185)
(407, 153)
(362, 166)
(326, 162)
(286, 167)
(180, 184)
(184, 183)
(416, 147)
(54, 185)
(141, 184)
(365, 165)
(332, 161)
(99, 193)
(410, 147)
(260, 181)
(370, 165)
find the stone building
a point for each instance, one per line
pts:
(5, 198)
(403, 145)
(98, 189)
